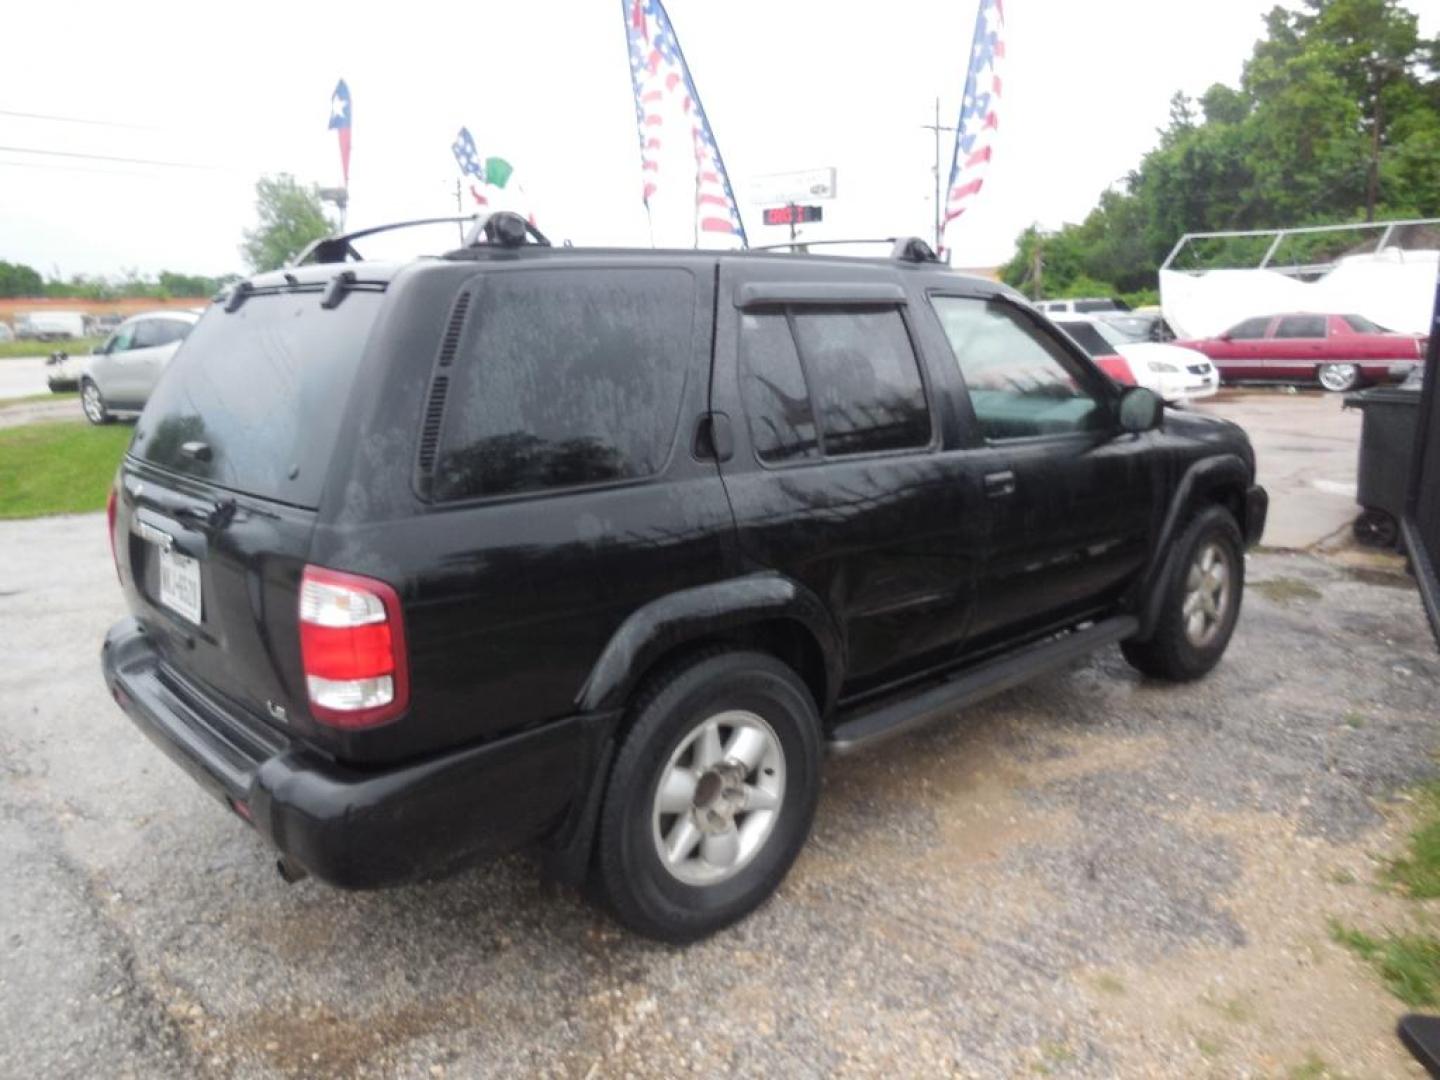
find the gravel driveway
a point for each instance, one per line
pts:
(1089, 876)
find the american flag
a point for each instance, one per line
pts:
(670, 118)
(468, 158)
(975, 131)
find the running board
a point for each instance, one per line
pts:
(878, 722)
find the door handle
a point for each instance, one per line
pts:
(998, 485)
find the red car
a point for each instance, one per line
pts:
(1340, 352)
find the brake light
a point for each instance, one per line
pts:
(1118, 368)
(110, 511)
(352, 647)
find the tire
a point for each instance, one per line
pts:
(92, 403)
(1338, 378)
(1377, 529)
(767, 746)
(1176, 652)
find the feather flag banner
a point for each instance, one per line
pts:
(687, 191)
(979, 111)
(340, 124)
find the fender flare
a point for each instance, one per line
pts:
(1207, 474)
(693, 614)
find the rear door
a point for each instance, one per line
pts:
(1069, 501)
(219, 488)
(845, 475)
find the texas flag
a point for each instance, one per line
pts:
(340, 122)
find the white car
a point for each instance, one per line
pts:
(1175, 373)
(119, 375)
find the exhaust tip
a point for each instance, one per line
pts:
(290, 871)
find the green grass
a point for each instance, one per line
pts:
(1314, 1067)
(58, 468)
(1409, 964)
(30, 399)
(1286, 590)
(1417, 872)
(10, 349)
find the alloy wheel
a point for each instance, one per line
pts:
(1338, 377)
(1207, 594)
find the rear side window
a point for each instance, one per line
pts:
(264, 387)
(1250, 329)
(1301, 326)
(782, 423)
(864, 379)
(573, 377)
(1088, 338)
(1361, 325)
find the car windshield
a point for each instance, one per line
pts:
(1361, 325)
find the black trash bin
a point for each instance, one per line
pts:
(1387, 441)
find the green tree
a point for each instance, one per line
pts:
(17, 279)
(290, 216)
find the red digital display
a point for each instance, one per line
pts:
(782, 215)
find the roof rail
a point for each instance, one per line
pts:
(902, 248)
(338, 248)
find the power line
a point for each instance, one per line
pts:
(78, 120)
(48, 167)
(104, 157)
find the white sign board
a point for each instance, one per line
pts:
(793, 187)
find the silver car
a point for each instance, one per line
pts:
(119, 375)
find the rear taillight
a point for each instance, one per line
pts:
(352, 646)
(1118, 368)
(110, 511)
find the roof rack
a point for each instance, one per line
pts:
(902, 248)
(502, 228)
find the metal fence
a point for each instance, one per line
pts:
(1421, 523)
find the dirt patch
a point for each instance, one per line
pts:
(1286, 590)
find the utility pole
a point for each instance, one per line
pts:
(937, 128)
(459, 212)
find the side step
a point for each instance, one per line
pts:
(875, 723)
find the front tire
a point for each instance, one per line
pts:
(92, 403)
(1338, 378)
(711, 797)
(1201, 602)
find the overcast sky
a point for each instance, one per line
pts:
(788, 84)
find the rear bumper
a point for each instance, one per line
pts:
(351, 827)
(1257, 509)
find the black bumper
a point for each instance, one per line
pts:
(351, 827)
(1257, 509)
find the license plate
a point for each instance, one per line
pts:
(180, 584)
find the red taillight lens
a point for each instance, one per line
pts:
(1118, 368)
(110, 511)
(352, 646)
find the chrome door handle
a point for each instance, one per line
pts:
(999, 484)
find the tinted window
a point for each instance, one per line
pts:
(1085, 307)
(150, 333)
(1021, 382)
(1249, 329)
(782, 423)
(1361, 325)
(573, 377)
(864, 379)
(265, 387)
(1301, 326)
(1088, 338)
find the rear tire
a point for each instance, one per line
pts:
(92, 403)
(711, 796)
(1201, 602)
(1338, 378)
(1377, 529)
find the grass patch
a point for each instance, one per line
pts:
(1409, 964)
(1237, 1010)
(1286, 590)
(30, 399)
(1417, 872)
(1111, 984)
(1314, 1067)
(1342, 877)
(1354, 719)
(58, 468)
(11, 349)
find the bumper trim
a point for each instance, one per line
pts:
(361, 828)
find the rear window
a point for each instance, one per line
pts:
(264, 388)
(1361, 325)
(574, 377)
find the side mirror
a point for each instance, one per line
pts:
(1140, 410)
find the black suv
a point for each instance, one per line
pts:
(599, 551)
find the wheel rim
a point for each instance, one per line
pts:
(1207, 594)
(90, 402)
(718, 798)
(1337, 376)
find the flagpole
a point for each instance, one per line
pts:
(937, 128)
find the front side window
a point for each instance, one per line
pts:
(1301, 326)
(1249, 330)
(573, 377)
(864, 379)
(123, 339)
(1022, 383)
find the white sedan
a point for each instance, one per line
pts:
(1175, 373)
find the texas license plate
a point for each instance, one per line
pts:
(180, 584)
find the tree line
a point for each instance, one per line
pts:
(17, 280)
(1336, 119)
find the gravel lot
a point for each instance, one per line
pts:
(1089, 876)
